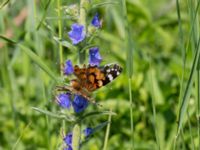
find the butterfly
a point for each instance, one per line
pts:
(90, 78)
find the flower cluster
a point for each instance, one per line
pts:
(79, 35)
(68, 138)
(79, 103)
(78, 31)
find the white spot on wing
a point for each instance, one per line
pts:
(108, 70)
(110, 77)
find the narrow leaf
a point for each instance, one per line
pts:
(44, 15)
(97, 113)
(187, 93)
(7, 39)
(38, 61)
(58, 115)
(64, 43)
(4, 4)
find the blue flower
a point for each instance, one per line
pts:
(94, 56)
(64, 100)
(87, 132)
(77, 33)
(68, 139)
(68, 69)
(96, 22)
(79, 104)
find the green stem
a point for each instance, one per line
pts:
(107, 131)
(76, 137)
(154, 108)
(129, 63)
(82, 21)
(131, 112)
(60, 34)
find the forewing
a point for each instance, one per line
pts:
(111, 71)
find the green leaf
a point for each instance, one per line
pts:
(96, 113)
(100, 126)
(44, 15)
(94, 6)
(38, 61)
(4, 3)
(187, 93)
(55, 115)
(7, 39)
(65, 43)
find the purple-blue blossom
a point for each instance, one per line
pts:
(87, 132)
(77, 33)
(64, 100)
(80, 103)
(95, 21)
(68, 139)
(94, 56)
(68, 68)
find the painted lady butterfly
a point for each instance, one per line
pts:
(91, 78)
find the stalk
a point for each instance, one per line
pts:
(82, 21)
(107, 131)
(60, 34)
(129, 64)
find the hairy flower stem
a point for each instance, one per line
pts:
(76, 137)
(82, 21)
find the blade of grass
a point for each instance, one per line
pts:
(60, 33)
(198, 105)
(7, 40)
(4, 4)
(129, 64)
(153, 105)
(44, 14)
(48, 144)
(190, 130)
(107, 131)
(188, 89)
(21, 135)
(38, 61)
(94, 6)
(96, 113)
(194, 22)
(34, 57)
(82, 21)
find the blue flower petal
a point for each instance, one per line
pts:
(64, 100)
(87, 132)
(94, 56)
(68, 69)
(96, 22)
(68, 139)
(79, 104)
(77, 33)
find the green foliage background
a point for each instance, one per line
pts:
(159, 49)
